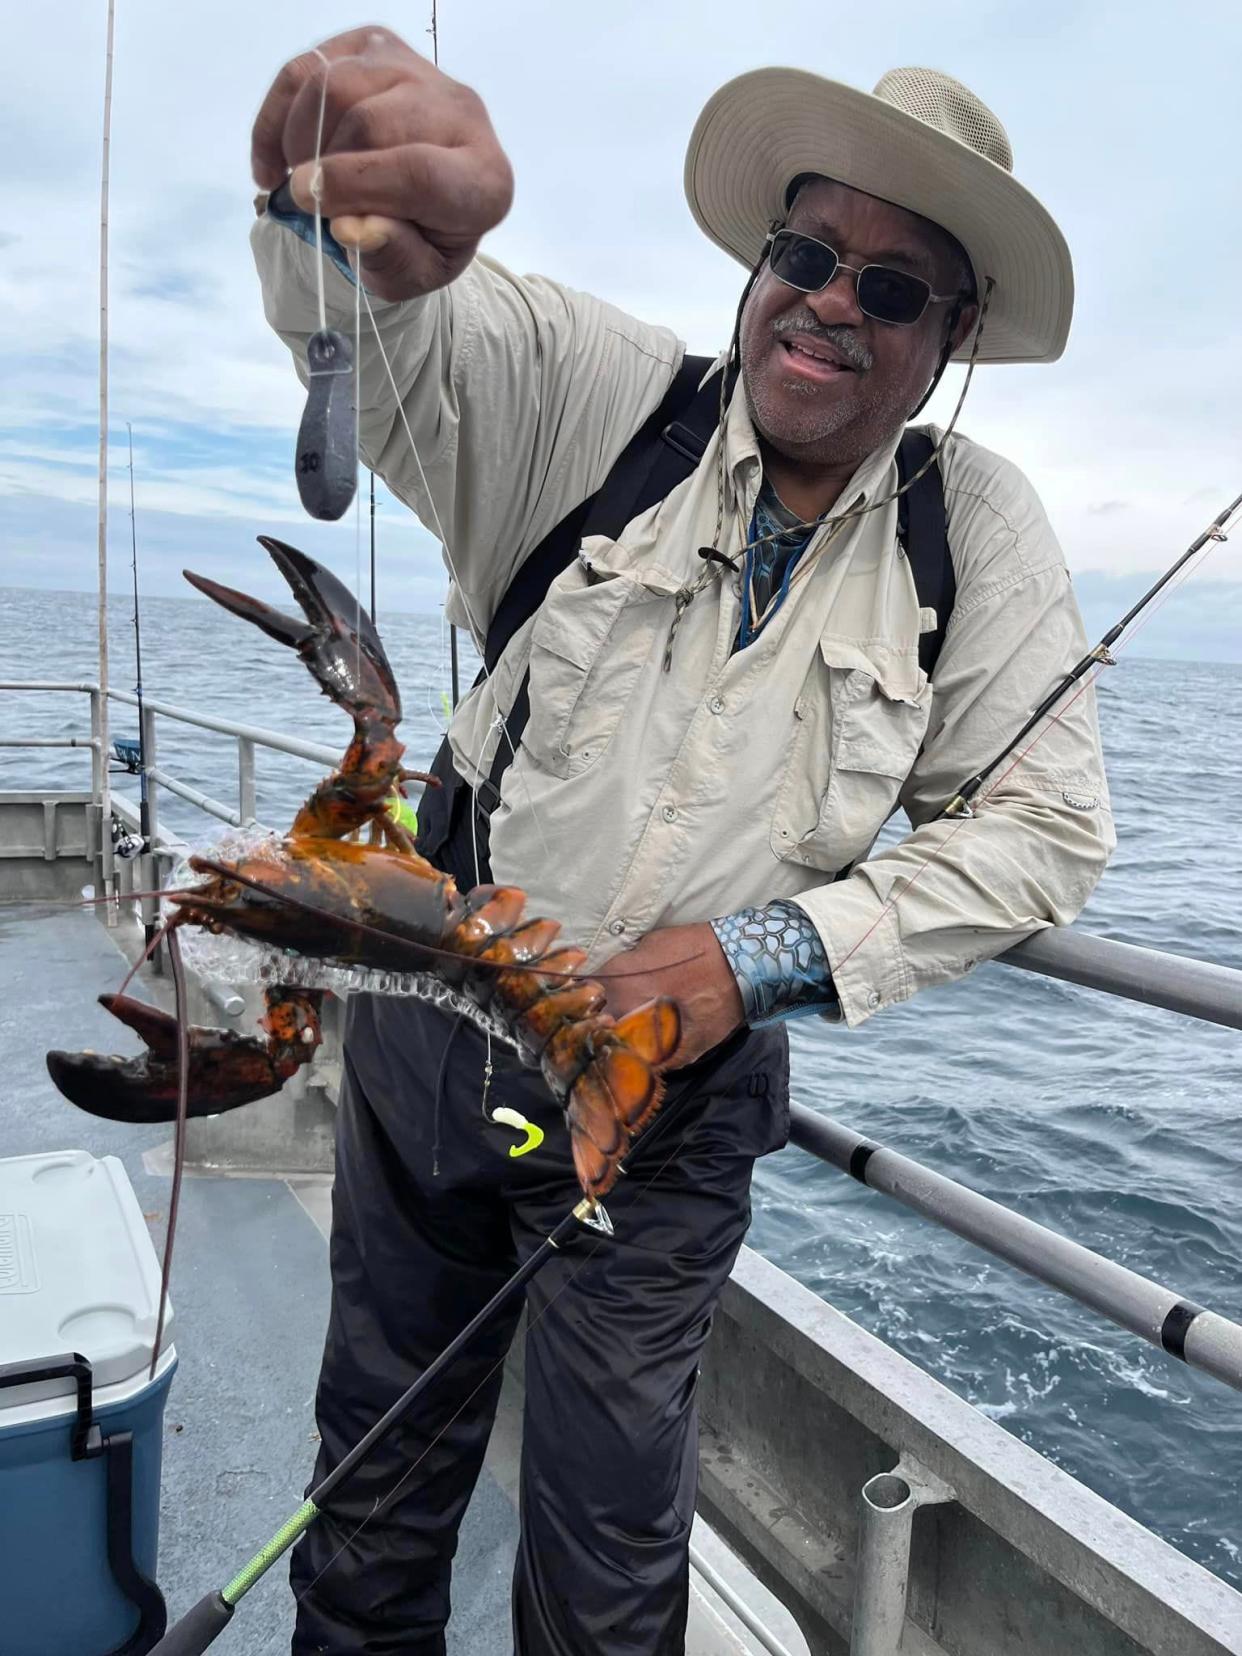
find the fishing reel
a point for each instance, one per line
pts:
(125, 845)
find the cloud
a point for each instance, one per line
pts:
(1131, 439)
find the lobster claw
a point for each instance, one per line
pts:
(226, 1070)
(337, 641)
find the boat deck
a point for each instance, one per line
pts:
(250, 1286)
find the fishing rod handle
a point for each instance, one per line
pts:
(197, 1629)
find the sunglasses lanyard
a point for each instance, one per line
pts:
(756, 620)
(714, 558)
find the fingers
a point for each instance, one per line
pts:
(267, 156)
(366, 234)
(365, 106)
(397, 259)
(368, 57)
(404, 159)
(458, 191)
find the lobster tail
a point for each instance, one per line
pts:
(619, 1090)
(605, 1073)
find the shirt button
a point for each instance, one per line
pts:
(617, 928)
(716, 705)
(669, 813)
(873, 999)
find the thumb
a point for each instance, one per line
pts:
(396, 259)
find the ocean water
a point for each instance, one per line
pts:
(1119, 1125)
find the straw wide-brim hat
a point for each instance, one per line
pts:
(922, 141)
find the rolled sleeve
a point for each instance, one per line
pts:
(960, 890)
(509, 400)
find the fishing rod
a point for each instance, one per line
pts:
(204, 1622)
(1101, 655)
(144, 805)
(106, 861)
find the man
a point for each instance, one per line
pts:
(713, 744)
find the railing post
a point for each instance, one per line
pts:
(149, 754)
(97, 757)
(98, 760)
(245, 780)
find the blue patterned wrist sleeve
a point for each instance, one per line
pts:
(779, 962)
(282, 207)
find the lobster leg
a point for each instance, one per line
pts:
(226, 1069)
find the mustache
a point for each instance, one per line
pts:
(842, 339)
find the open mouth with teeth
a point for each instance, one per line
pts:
(811, 360)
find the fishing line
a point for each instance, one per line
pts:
(316, 190)
(153, 943)
(357, 462)
(183, 1112)
(476, 630)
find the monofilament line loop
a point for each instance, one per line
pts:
(477, 631)
(316, 190)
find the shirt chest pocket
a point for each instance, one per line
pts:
(858, 728)
(592, 639)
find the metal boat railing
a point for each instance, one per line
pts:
(1195, 988)
(248, 738)
(1162, 1317)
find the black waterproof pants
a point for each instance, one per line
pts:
(430, 1215)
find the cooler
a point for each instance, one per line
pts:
(80, 1424)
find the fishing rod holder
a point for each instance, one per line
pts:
(881, 1583)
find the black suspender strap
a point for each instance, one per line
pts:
(662, 453)
(923, 530)
(662, 443)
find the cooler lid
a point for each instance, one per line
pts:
(78, 1272)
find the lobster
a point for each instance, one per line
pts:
(317, 893)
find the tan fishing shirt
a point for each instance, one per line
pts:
(642, 797)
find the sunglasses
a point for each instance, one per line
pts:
(885, 294)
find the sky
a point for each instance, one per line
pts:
(1124, 122)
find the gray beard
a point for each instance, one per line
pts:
(793, 436)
